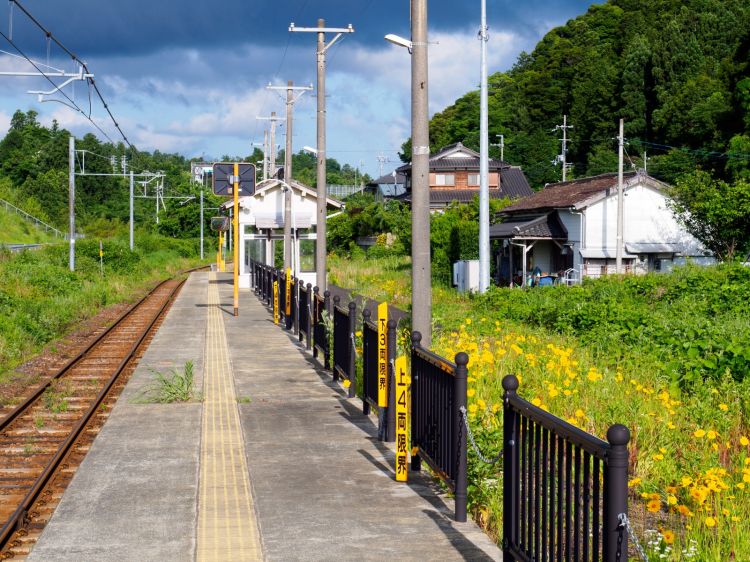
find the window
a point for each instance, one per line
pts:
(473, 179)
(307, 255)
(445, 179)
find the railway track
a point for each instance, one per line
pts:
(45, 438)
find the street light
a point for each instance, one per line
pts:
(400, 41)
(421, 274)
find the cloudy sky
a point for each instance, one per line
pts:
(190, 77)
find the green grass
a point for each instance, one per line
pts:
(173, 386)
(16, 230)
(41, 300)
(667, 355)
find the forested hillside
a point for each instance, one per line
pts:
(34, 177)
(675, 70)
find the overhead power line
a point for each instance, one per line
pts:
(73, 56)
(74, 105)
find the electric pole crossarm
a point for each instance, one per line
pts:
(339, 30)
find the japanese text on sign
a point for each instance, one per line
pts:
(382, 355)
(402, 409)
(289, 283)
(275, 302)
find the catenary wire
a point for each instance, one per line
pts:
(72, 55)
(74, 105)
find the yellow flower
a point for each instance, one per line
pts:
(347, 383)
(482, 404)
(471, 392)
(653, 506)
(683, 510)
(472, 408)
(668, 537)
(711, 434)
(699, 433)
(710, 522)
(671, 500)
(658, 457)
(744, 441)
(537, 402)
(634, 482)
(468, 321)
(580, 413)
(723, 407)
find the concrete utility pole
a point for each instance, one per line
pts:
(265, 154)
(501, 144)
(563, 154)
(321, 252)
(72, 201)
(421, 275)
(273, 119)
(132, 189)
(201, 222)
(620, 198)
(484, 187)
(290, 99)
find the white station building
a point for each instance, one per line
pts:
(262, 227)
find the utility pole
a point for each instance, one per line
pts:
(620, 198)
(382, 159)
(201, 222)
(132, 189)
(290, 100)
(484, 188)
(273, 119)
(421, 275)
(502, 147)
(320, 248)
(562, 158)
(265, 154)
(72, 201)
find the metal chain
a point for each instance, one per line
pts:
(625, 522)
(474, 444)
(354, 344)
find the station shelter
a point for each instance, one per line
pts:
(262, 227)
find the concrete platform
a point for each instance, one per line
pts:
(322, 484)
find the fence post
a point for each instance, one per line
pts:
(309, 314)
(352, 355)
(510, 469)
(616, 494)
(327, 343)
(390, 413)
(314, 319)
(459, 402)
(295, 305)
(366, 314)
(416, 341)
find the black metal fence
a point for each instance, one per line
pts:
(344, 345)
(438, 392)
(564, 490)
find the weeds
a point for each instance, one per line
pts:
(174, 386)
(55, 398)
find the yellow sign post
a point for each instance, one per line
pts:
(382, 355)
(402, 415)
(288, 300)
(275, 302)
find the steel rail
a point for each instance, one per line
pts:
(16, 521)
(18, 410)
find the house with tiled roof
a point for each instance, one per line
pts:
(569, 229)
(454, 177)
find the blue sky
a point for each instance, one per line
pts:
(190, 77)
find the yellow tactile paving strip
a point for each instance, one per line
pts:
(227, 528)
